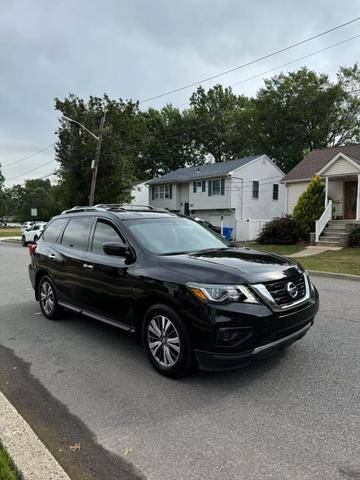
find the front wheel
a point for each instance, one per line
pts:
(36, 238)
(166, 342)
(23, 241)
(48, 298)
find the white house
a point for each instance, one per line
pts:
(140, 193)
(245, 193)
(339, 168)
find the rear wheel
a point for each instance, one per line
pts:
(23, 241)
(48, 298)
(166, 342)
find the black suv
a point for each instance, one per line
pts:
(190, 296)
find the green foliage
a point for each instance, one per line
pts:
(37, 193)
(7, 468)
(279, 231)
(354, 237)
(309, 208)
(303, 110)
(2, 193)
(220, 123)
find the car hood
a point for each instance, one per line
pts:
(231, 265)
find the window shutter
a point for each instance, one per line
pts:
(222, 186)
(194, 187)
(170, 191)
(153, 193)
(203, 185)
(209, 187)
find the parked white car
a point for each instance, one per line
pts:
(32, 234)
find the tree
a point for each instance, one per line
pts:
(168, 143)
(303, 110)
(2, 193)
(220, 123)
(75, 149)
(309, 207)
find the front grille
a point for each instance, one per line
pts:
(280, 293)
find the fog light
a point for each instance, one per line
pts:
(231, 336)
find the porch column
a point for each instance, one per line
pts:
(326, 190)
(358, 200)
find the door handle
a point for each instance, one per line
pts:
(52, 255)
(88, 266)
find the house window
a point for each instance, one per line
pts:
(276, 191)
(216, 187)
(199, 186)
(255, 189)
(161, 192)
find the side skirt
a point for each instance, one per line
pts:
(97, 317)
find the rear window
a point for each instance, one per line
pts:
(53, 231)
(77, 232)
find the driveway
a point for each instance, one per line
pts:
(294, 416)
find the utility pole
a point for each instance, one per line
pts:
(95, 163)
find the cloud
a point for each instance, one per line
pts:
(138, 48)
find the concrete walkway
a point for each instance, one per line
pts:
(4, 239)
(312, 250)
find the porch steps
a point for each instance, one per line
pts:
(334, 234)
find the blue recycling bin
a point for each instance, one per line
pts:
(227, 231)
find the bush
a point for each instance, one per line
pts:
(309, 208)
(354, 237)
(280, 230)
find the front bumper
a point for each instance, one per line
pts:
(228, 361)
(263, 332)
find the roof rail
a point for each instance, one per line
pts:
(101, 207)
(83, 209)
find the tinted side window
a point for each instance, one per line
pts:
(52, 232)
(77, 232)
(104, 233)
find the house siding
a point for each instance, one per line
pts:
(341, 167)
(294, 192)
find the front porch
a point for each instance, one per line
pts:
(342, 201)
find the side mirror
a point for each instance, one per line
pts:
(117, 249)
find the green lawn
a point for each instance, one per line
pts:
(10, 232)
(346, 260)
(7, 469)
(280, 249)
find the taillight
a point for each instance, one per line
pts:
(32, 248)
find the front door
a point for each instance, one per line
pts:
(350, 194)
(108, 281)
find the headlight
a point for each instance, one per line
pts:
(222, 293)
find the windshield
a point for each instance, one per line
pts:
(171, 235)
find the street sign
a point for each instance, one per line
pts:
(34, 212)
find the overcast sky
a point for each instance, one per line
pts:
(140, 48)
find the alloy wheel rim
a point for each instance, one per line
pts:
(47, 297)
(163, 340)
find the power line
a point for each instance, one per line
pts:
(29, 156)
(29, 171)
(264, 57)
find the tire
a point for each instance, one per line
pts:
(36, 238)
(48, 298)
(172, 356)
(23, 241)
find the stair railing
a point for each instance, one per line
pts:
(323, 221)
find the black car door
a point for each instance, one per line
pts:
(109, 279)
(73, 245)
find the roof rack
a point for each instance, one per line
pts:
(101, 207)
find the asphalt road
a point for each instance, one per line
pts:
(295, 416)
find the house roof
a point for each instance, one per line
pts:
(202, 171)
(315, 160)
(139, 182)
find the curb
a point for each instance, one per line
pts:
(343, 276)
(30, 456)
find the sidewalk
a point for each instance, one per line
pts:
(312, 250)
(6, 239)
